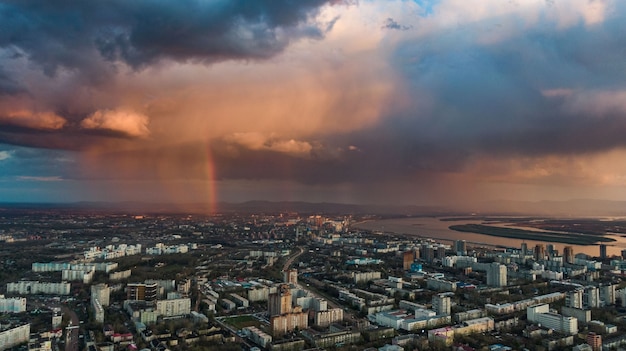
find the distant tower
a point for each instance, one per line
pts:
(428, 253)
(568, 254)
(441, 304)
(624, 254)
(550, 249)
(603, 251)
(540, 252)
(460, 246)
(524, 249)
(496, 275)
(441, 252)
(407, 260)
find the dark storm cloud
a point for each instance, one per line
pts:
(72, 34)
(466, 91)
(88, 41)
(490, 98)
(8, 86)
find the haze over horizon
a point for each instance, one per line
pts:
(424, 102)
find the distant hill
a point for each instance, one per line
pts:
(244, 207)
(571, 208)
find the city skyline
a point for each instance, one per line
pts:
(399, 102)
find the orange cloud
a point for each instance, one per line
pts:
(123, 121)
(30, 119)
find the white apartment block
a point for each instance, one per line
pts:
(496, 275)
(60, 266)
(98, 310)
(85, 276)
(363, 277)
(120, 275)
(174, 307)
(25, 287)
(50, 266)
(12, 305)
(541, 314)
(326, 318)
(102, 293)
(257, 336)
(259, 293)
(441, 304)
(112, 251)
(240, 301)
(162, 249)
(14, 336)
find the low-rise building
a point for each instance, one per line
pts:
(257, 336)
(541, 314)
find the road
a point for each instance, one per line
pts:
(292, 258)
(72, 330)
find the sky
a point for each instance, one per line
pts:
(426, 102)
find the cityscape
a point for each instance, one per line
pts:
(98, 279)
(267, 175)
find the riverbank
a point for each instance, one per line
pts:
(514, 233)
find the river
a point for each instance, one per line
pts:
(430, 227)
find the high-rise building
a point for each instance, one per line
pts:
(290, 276)
(428, 253)
(407, 259)
(285, 323)
(568, 254)
(595, 341)
(496, 275)
(441, 304)
(591, 297)
(460, 247)
(142, 291)
(540, 252)
(574, 299)
(100, 292)
(280, 302)
(550, 249)
(441, 252)
(174, 307)
(603, 251)
(524, 249)
(607, 294)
